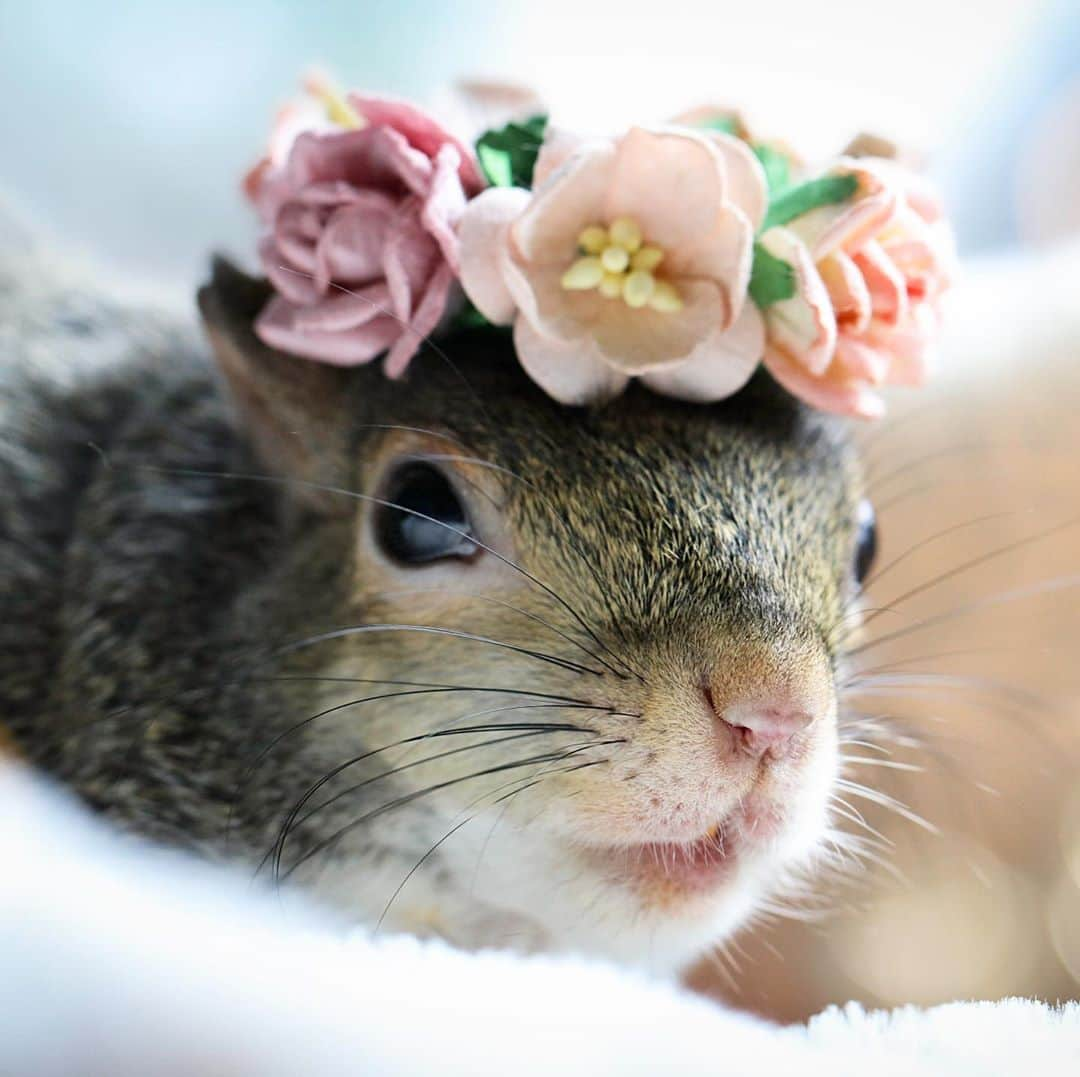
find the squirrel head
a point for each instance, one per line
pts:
(575, 668)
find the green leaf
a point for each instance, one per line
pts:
(727, 122)
(495, 165)
(777, 168)
(468, 318)
(794, 202)
(771, 278)
(507, 155)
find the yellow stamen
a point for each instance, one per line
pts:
(611, 285)
(625, 233)
(593, 239)
(615, 259)
(617, 262)
(338, 110)
(584, 274)
(665, 298)
(637, 288)
(647, 258)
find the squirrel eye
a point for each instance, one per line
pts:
(866, 539)
(426, 520)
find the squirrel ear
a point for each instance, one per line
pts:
(291, 409)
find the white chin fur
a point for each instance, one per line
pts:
(523, 889)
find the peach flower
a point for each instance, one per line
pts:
(361, 211)
(630, 258)
(870, 274)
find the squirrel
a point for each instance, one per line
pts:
(455, 658)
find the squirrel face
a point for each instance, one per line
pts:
(573, 671)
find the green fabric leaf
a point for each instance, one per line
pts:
(726, 122)
(468, 318)
(495, 165)
(777, 168)
(507, 155)
(771, 278)
(794, 202)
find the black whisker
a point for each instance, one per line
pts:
(409, 798)
(438, 630)
(949, 450)
(452, 730)
(523, 785)
(875, 577)
(991, 555)
(1059, 583)
(532, 728)
(293, 822)
(505, 605)
(280, 480)
(426, 686)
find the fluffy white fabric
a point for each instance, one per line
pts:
(117, 958)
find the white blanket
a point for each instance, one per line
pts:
(117, 958)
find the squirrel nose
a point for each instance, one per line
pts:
(760, 727)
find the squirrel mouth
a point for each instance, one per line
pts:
(669, 869)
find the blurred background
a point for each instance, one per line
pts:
(126, 130)
(129, 123)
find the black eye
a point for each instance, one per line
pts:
(427, 520)
(865, 539)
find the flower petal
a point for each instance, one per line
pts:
(804, 326)
(909, 347)
(372, 158)
(724, 254)
(924, 253)
(847, 292)
(838, 396)
(670, 181)
(421, 131)
(350, 249)
(410, 256)
(276, 326)
(571, 374)
(558, 147)
(847, 225)
(483, 237)
(719, 366)
(638, 341)
(572, 197)
(444, 204)
(746, 184)
(422, 324)
(861, 362)
(917, 191)
(886, 284)
(344, 310)
(296, 285)
(541, 298)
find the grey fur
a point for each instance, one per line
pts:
(144, 606)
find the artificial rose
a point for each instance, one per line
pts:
(361, 247)
(870, 273)
(629, 258)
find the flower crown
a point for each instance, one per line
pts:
(681, 255)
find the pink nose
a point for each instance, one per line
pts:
(760, 728)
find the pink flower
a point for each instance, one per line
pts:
(361, 246)
(630, 258)
(870, 274)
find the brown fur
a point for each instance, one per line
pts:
(165, 559)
